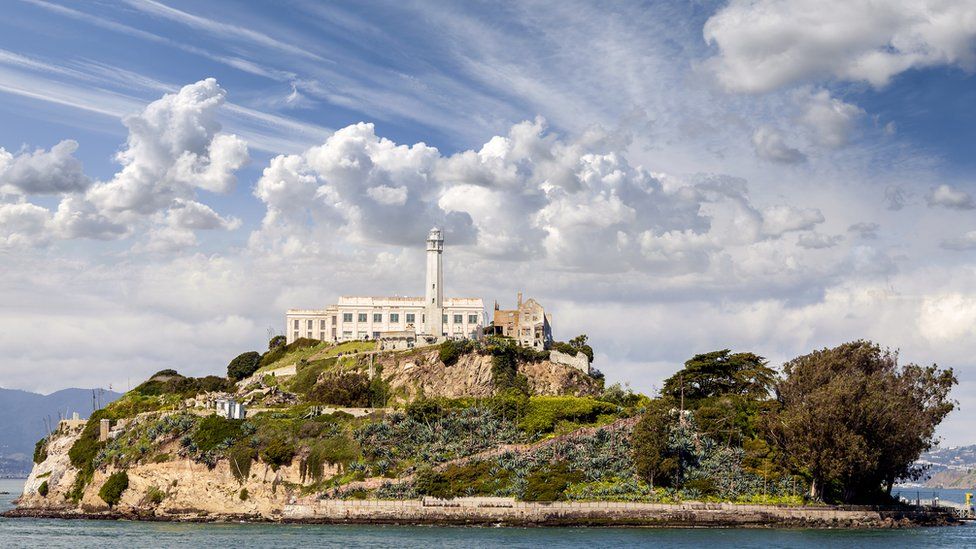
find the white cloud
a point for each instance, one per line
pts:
(174, 146)
(387, 195)
(965, 242)
(781, 219)
(23, 225)
(831, 120)
(770, 144)
(947, 318)
(44, 172)
(817, 241)
(766, 44)
(948, 197)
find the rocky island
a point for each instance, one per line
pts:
(482, 432)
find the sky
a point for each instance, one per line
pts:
(668, 177)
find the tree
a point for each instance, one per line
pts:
(721, 373)
(111, 491)
(654, 460)
(243, 365)
(579, 343)
(854, 421)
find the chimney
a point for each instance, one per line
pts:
(520, 299)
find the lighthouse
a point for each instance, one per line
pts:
(434, 294)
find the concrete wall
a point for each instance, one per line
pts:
(509, 511)
(580, 361)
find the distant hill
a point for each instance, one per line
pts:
(22, 417)
(953, 467)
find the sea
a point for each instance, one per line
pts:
(53, 533)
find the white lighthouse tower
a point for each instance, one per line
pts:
(434, 295)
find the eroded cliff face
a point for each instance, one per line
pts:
(411, 373)
(190, 490)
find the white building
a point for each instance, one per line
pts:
(431, 317)
(229, 408)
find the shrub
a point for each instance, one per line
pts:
(40, 450)
(243, 495)
(111, 491)
(243, 365)
(42, 489)
(339, 450)
(278, 452)
(545, 412)
(214, 432)
(462, 480)
(169, 372)
(450, 350)
(240, 458)
(342, 389)
(183, 386)
(549, 482)
(276, 341)
(154, 495)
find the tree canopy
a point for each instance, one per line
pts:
(854, 421)
(243, 365)
(721, 373)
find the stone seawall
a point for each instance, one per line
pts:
(518, 513)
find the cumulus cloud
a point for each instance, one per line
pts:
(829, 119)
(781, 219)
(947, 318)
(43, 172)
(766, 44)
(770, 144)
(23, 225)
(948, 197)
(174, 148)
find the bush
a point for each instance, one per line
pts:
(111, 491)
(549, 482)
(276, 341)
(545, 412)
(342, 389)
(42, 489)
(169, 372)
(240, 458)
(470, 479)
(243, 365)
(339, 450)
(40, 450)
(214, 432)
(154, 495)
(243, 495)
(183, 386)
(278, 452)
(450, 350)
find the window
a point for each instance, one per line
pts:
(322, 336)
(294, 336)
(346, 334)
(347, 317)
(472, 319)
(322, 324)
(376, 335)
(308, 324)
(444, 319)
(309, 335)
(362, 317)
(333, 320)
(377, 317)
(411, 318)
(394, 318)
(423, 318)
(296, 323)
(458, 319)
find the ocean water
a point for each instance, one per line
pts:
(46, 533)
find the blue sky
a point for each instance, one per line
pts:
(668, 177)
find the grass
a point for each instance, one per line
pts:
(284, 356)
(348, 347)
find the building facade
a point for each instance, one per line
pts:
(528, 323)
(431, 318)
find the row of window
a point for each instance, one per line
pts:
(411, 318)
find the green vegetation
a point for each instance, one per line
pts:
(243, 494)
(154, 496)
(243, 365)
(40, 450)
(42, 489)
(854, 422)
(168, 382)
(576, 345)
(215, 432)
(111, 491)
(476, 478)
(278, 452)
(549, 482)
(240, 457)
(545, 413)
(450, 350)
(342, 389)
